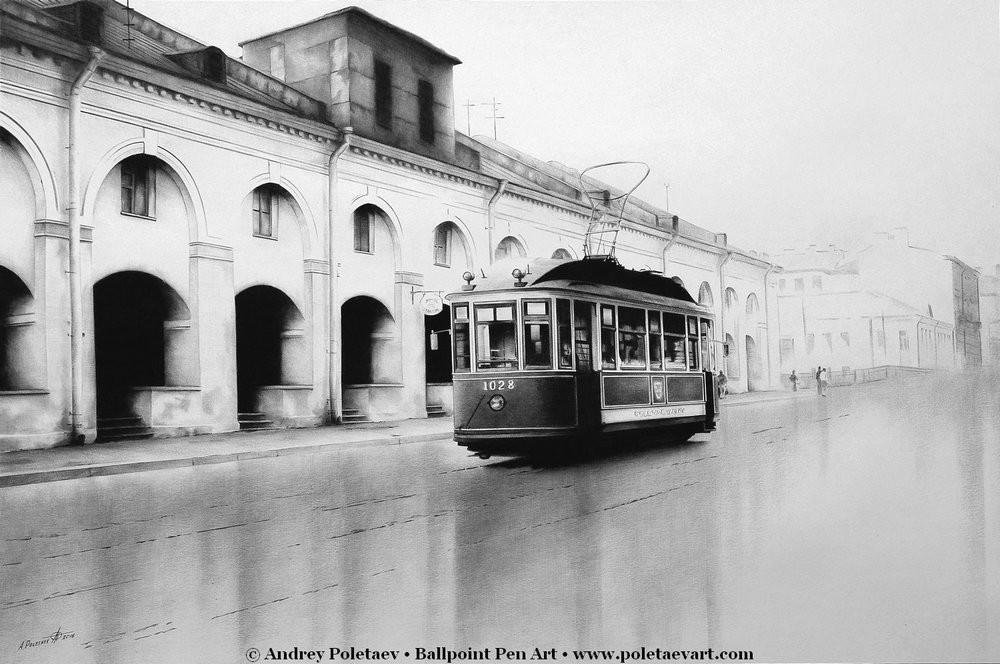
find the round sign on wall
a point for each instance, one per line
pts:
(431, 304)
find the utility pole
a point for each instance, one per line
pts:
(468, 117)
(667, 187)
(494, 105)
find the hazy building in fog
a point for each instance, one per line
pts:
(989, 301)
(255, 237)
(886, 303)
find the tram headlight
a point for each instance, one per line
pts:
(497, 402)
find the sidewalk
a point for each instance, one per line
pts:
(132, 456)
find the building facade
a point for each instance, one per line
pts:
(195, 243)
(885, 304)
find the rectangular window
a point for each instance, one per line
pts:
(442, 246)
(138, 186)
(564, 323)
(655, 341)
(828, 339)
(383, 94)
(781, 284)
(265, 212)
(425, 102)
(674, 357)
(846, 338)
(537, 336)
(496, 337)
(583, 315)
(818, 283)
(904, 343)
(632, 338)
(800, 285)
(462, 350)
(692, 345)
(363, 232)
(810, 343)
(608, 358)
(707, 349)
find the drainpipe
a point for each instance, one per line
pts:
(335, 399)
(75, 278)
(670, 243)
(491, 214)
(722, 309)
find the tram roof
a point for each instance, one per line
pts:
(598, 277)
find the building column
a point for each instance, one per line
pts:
(317, 299)
(213, 322)
(410, 326)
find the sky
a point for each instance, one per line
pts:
(782, 123)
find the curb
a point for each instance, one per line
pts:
(103, 470)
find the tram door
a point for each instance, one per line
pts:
(437, 346)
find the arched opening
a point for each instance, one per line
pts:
(731, 362)
(731, 300)
(451, 248)
(368, 341)
(753, 306)
(16, 321)
(139, 327)
(705, 295)
(509, 247)
(562, 254)
(270, 344)
(753, 365)
(677, 280)
(437, 346)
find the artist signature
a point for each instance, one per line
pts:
(58, 635)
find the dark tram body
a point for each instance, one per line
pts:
(569, 350)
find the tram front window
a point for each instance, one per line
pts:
(496, 337)
(537, 344)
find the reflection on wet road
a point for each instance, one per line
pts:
(863, 526)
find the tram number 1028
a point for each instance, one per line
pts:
(497, 385)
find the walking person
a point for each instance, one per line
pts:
(819, 385)
(794, 380)
(722, 384)
(822, 381)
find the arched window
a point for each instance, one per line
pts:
(562, 254)
(705, 298)
(365, 219)
(509, 247)
(753, 307)
(731, 299)
(678, 281)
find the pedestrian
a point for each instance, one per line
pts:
(794, 380)
(819, 385)
(722, 384)
(822, 381)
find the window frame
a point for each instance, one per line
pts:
(141, 170)
(366, 214)
(382, 75)
(271, 195)
(539, 320)
(476, 350)
(425, 111)
(447, 233)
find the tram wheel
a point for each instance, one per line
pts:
(482, 455)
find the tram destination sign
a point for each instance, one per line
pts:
(638, 414)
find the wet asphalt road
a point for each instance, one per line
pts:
(861, 526)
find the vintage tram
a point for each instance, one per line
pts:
(563, 351)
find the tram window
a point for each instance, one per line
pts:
(707, 359)
(674, 342)
(692, 345)
(632, 338)
(655, 340)
(496, 337)
(462, 350)
(608, 357)
(537, 337)
(583, 315)
(564, 323)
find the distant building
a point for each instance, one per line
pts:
(253, 239)
(887, 303)
(989, 301)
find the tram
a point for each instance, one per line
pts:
(558, 350)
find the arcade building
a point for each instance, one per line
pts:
(194, 243)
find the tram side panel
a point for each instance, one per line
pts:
(514, 405)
